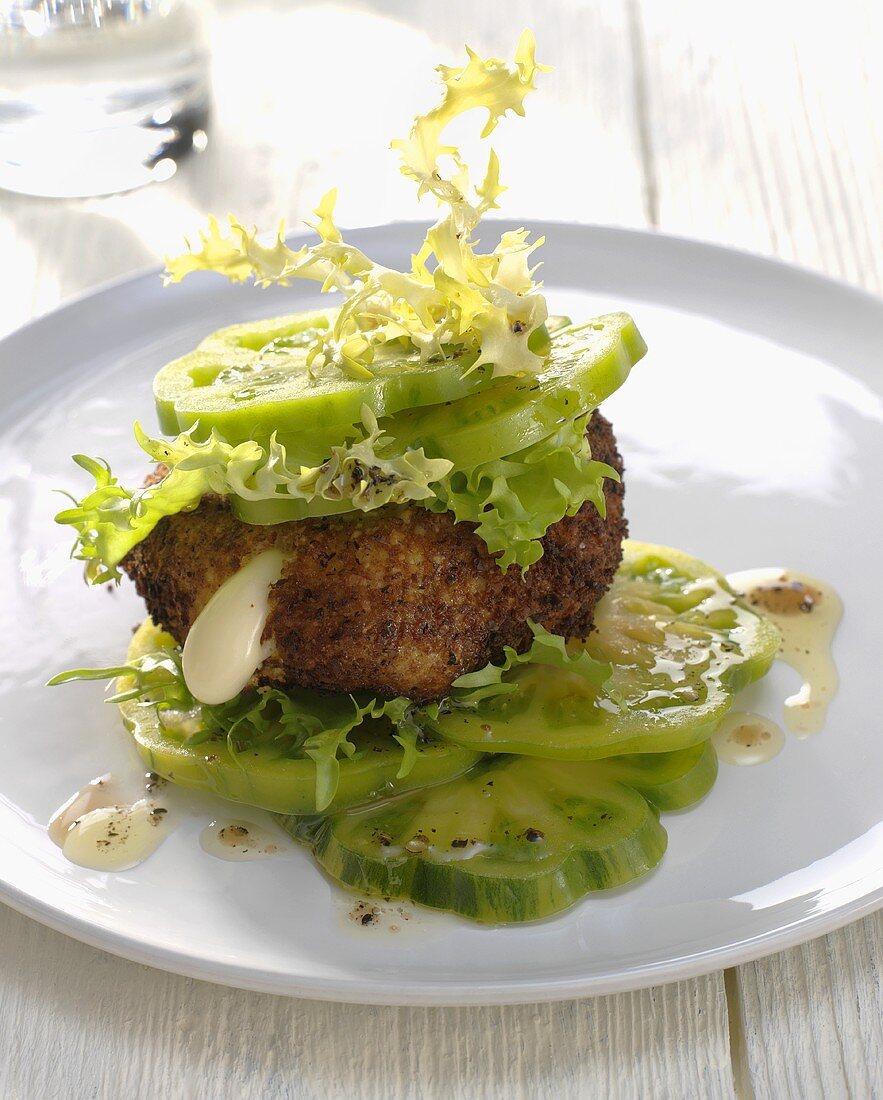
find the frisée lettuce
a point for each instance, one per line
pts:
(513, 501)
(488, 302)
(470, 311)
(295, 723)
(299, 722)
(112, 519)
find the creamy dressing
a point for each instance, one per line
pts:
(806, 611)
(459, 851)
(113, 824)
(99, 793)
(674, 670)
(238, 841)
(747, 738)
(116, 838)
(224, 648)
(717, 600)
(100, 829)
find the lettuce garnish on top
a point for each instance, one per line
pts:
(482, 313)
(452, 294)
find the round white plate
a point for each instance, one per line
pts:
(752, 437)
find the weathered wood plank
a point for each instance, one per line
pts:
(814, 1016)
(766, 128)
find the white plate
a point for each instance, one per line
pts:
(751, 435)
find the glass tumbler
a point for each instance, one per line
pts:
(99, 96)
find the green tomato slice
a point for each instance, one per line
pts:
(680, 643)
(265, 778)
(218, 377)
(587, 363)
(249, 380)
(513, 839)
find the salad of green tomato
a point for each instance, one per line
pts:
(250, 382)
(258, 427)
(537, 781)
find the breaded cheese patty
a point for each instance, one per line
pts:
(400, 601)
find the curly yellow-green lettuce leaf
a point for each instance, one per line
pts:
(515, 500)
(487, 302)
(502, 679)
(297, 722)
(112, 519)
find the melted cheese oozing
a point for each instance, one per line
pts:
(223, 649)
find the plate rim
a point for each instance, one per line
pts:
(364, 991)
(369, 990)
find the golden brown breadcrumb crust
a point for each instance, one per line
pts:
(400, 601)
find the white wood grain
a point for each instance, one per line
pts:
(814, 1016)
(766, 132)
(75, 1022)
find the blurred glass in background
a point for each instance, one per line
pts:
(99, 96)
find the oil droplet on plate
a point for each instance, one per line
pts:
(807, 612)
(745, 738)
(369, 914)
(102, 828)
(239, 841)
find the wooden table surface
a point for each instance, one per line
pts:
(758, 125)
